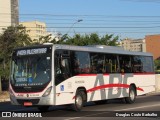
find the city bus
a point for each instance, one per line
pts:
(53, 74)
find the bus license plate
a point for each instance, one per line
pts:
(28, 104)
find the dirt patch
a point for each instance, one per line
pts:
(4, 95)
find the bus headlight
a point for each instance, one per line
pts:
(48, 91)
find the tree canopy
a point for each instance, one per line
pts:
(12, 37)
(91, 39)
(157, 64)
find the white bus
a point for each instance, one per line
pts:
(49, 75)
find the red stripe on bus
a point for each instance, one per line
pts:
(140, 89)
(110, 86)
(107, 86)
(147, 73)
(91, 74)
(86, 75)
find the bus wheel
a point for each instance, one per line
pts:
(43, 108)
(132, 95)
(79, 101)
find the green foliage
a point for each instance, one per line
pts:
(92, 39)
(46, 39)
(12, 37)
(80, 40)
(157, 64)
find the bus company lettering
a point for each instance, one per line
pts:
(32, 51)
(99, 85)
(79, 81)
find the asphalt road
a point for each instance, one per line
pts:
(115, 109)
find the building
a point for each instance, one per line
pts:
(9, 13)
(54, 35)
(153, 45)
(35, 29)
(133, 45)
(150, 44)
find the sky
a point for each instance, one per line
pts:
(125, 18)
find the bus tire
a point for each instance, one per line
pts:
(132, 95)
(84, 97)
(79, 101)
(43, 108)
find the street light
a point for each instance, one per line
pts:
(65, 35)
(79, 20)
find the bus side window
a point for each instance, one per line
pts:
(80, 62)
(111, 63)
(137, 64)
(108, 67)
(125, 64)
(97, 63)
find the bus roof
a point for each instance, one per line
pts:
(101, 49)
(91, 48)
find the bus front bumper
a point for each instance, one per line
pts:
(32, 101)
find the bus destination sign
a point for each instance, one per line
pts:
(32, 51)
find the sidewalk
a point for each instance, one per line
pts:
(4, 96)
(5, 100)
(153, 93)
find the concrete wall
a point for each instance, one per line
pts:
(157, 82)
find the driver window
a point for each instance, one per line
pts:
(62, 67)
(65, 68)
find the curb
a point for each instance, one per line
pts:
(5, 100)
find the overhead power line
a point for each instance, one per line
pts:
(97, 27)
(152, 1)
(79, 15)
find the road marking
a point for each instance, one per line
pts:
(113, 111)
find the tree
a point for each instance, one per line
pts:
(48, 39)
(92, 39)
(157, 64)
(42, 39)
(12, 38)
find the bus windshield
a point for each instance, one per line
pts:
(31, 70)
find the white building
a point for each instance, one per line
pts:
(8, 13)
(133, 44)
(54, 35)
